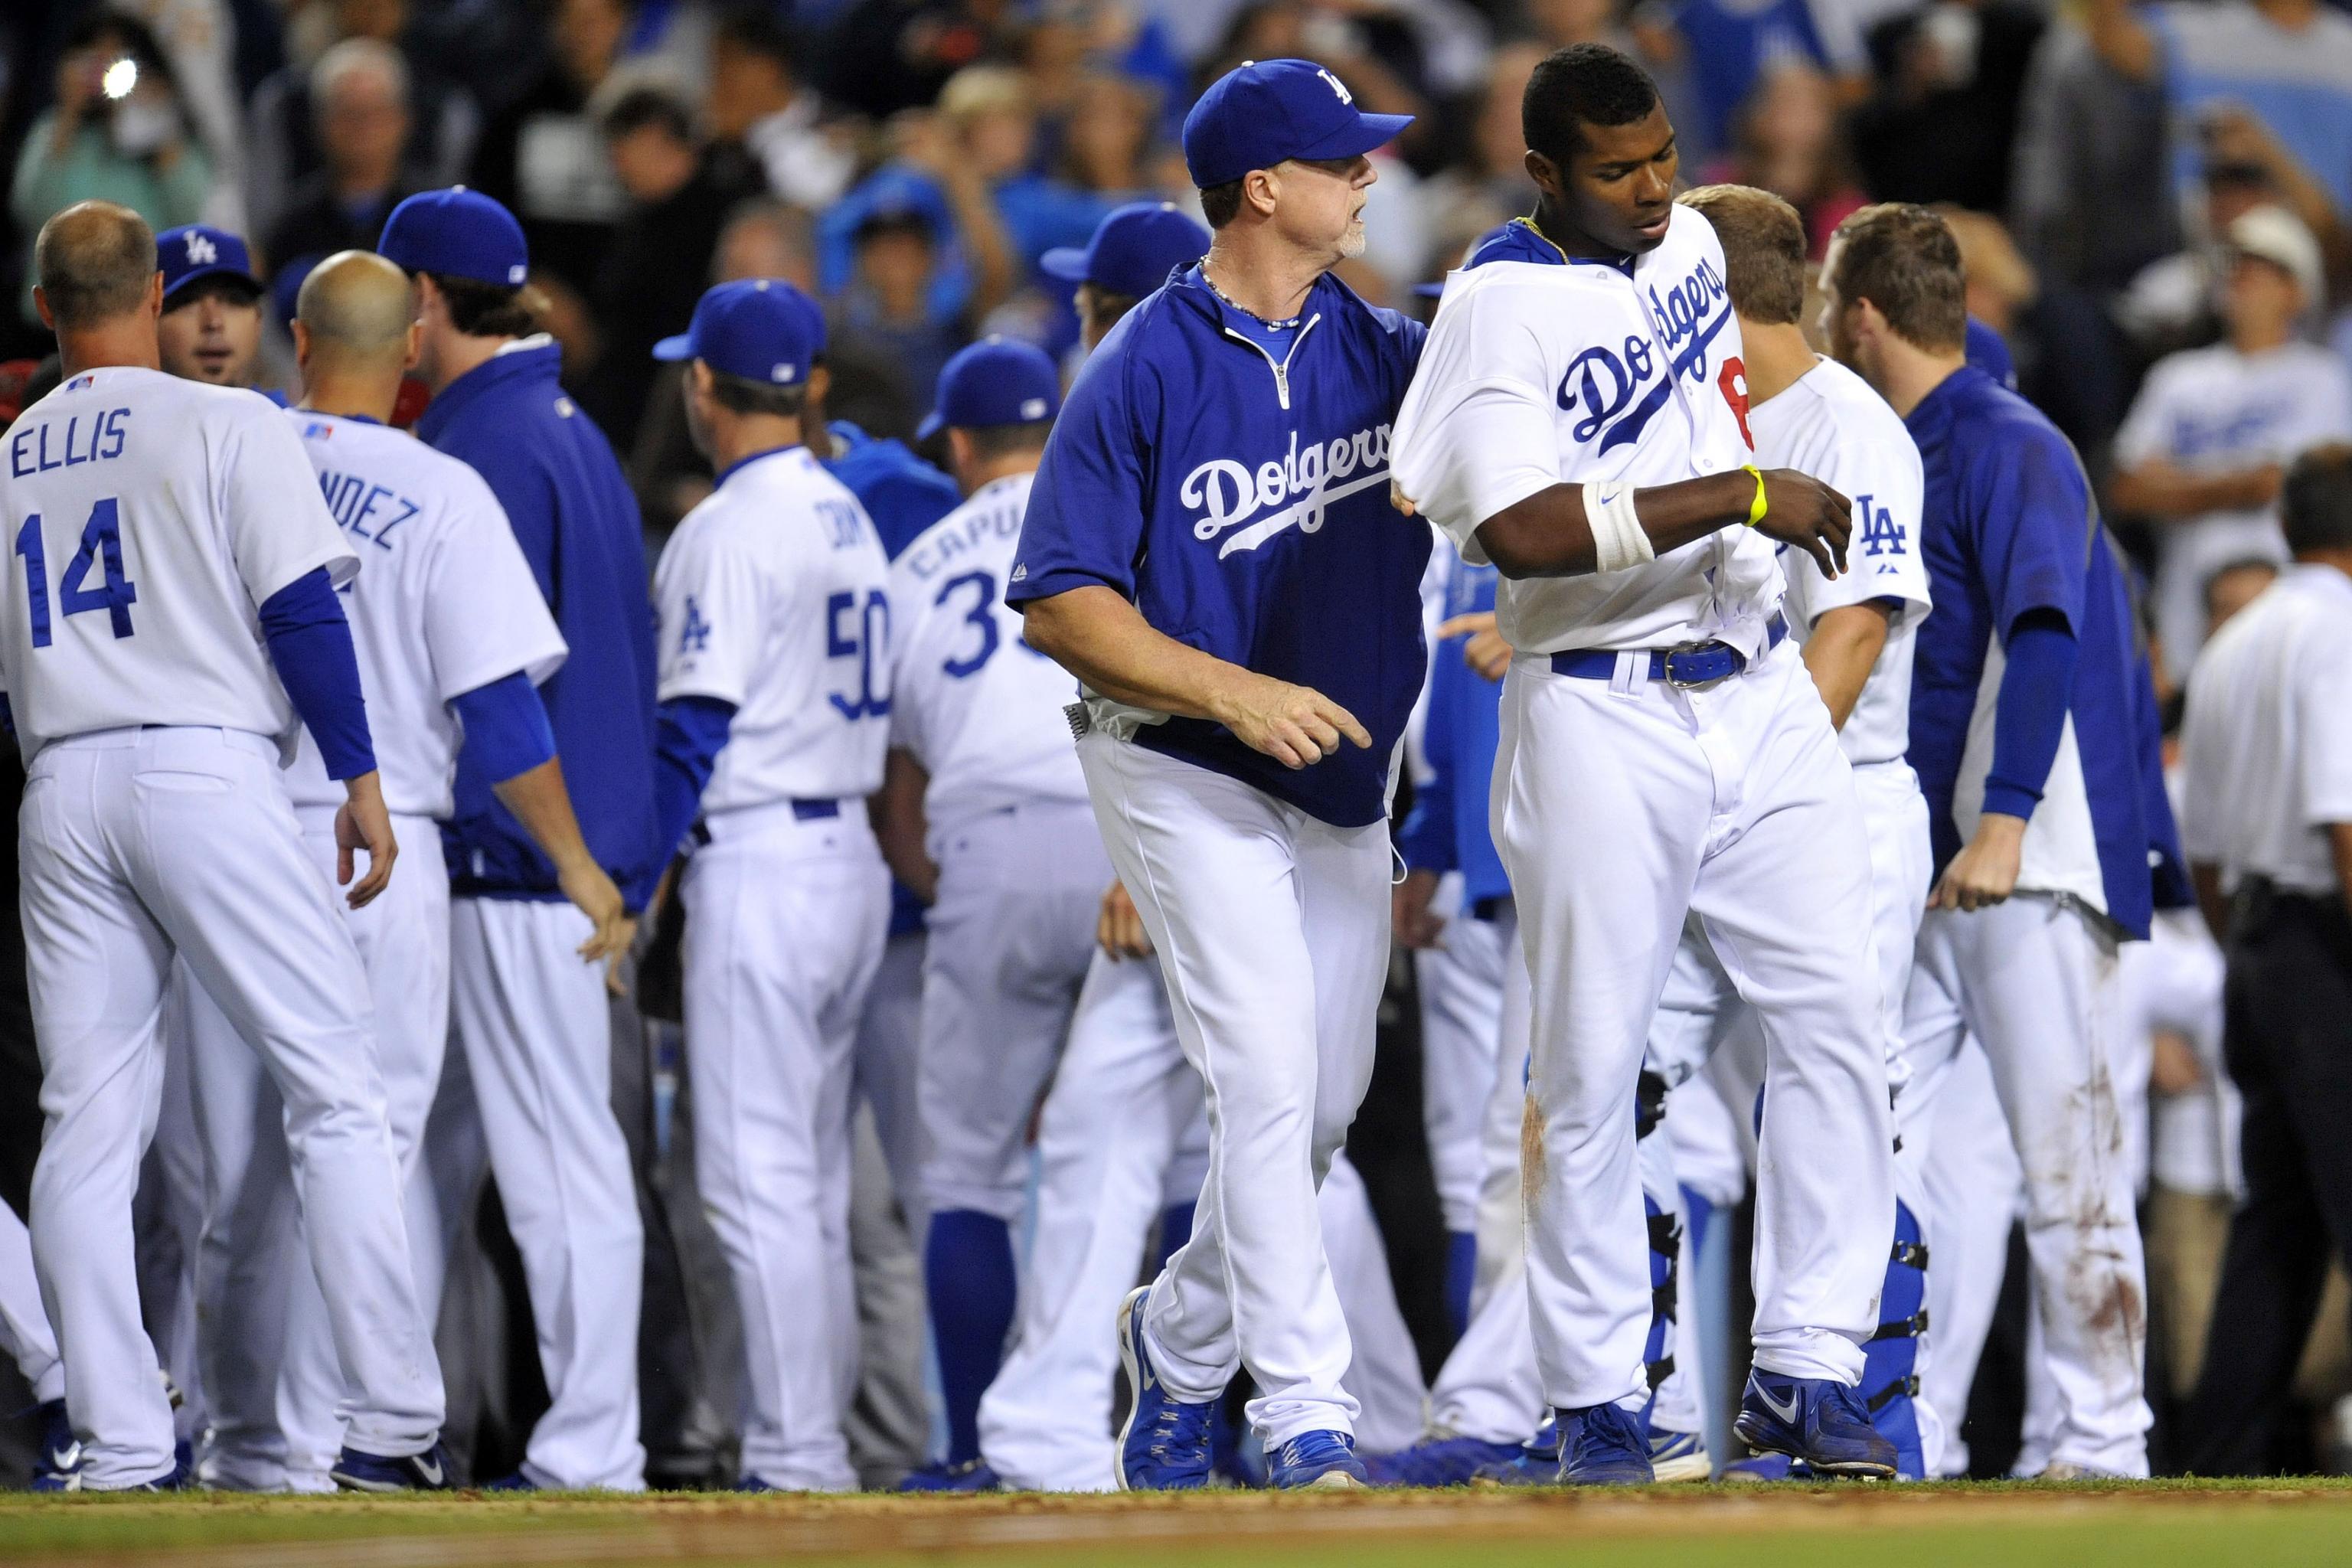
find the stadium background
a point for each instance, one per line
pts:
(910, 161)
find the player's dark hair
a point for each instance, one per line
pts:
(482, 309)
(644, 106)
(1109, 305)
(742, 394)
(2228, 569)
(1763, 249)
(748, 30)
(1903, 258)
(1219, 204)
(2316, 505)
(990, 442)
(1581, 85)
(94, 262)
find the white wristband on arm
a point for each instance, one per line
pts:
(1618, 541)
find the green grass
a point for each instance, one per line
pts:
(2299, 1524)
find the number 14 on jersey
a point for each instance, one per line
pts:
(102, 550)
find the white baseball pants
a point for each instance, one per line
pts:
(1731, 802)
(1011, 935)
(2034, 980)
(537, 1031)
(138, 843)
(25, 1335)
(1273, 932)
(1461, 985)
(785, 923)
(1112, 1142)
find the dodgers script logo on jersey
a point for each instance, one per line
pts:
(1230, 493)
(1613, 386)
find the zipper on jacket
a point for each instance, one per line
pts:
(1281, 367)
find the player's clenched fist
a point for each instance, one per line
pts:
(1295, 725)
(1800, 509)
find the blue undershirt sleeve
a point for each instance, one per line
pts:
(2037, 689)
(507, 731)
(311, 644)
(688, 735)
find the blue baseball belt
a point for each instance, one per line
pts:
(1694, 664)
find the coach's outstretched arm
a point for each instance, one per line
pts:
(1098, 636)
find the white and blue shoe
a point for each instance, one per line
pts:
(60, 1455)
(1603, 1446)
(360, 1472)
(1814, 1420)
(1164, 1447)
(1438, 1462)
(1324, 1460)
(174, 1480)
(1534, 1463)
(1679, 1455)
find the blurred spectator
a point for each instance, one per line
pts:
(542, 155)
(2286, 64)
(889, 55)
(757, 102)
(654, 270)
(2176, 303)
(2088, 201)
(1942, 123)
(359, 90)
(2070, 360)
(2213, 429)
(116, 133)
(889, 313)
(1490, 183)
(1376, 59)
(282, 149)
(1787, 142)
(198, 39)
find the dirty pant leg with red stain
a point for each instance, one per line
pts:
(1621, 806)
(2035, 981)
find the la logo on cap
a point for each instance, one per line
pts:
(1337, 85)
(202, 251)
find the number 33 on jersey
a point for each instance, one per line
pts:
(150, 517)
(772, 597)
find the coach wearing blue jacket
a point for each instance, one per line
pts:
(532, 1016)
(1209, 549)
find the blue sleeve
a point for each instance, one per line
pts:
(2033, 530)
(506, 732)
(1427, 838)
(2037, 688)
(311, 644)
(1085, 524)
(689, 735)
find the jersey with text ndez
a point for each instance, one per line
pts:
(1242, 502)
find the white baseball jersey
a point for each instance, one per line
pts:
(446, 603)
(1547, 371)
(2266, 748)
(151, 517)
(1831, 425)
(977, 707)
(773, 596)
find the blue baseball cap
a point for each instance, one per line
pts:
(761, 328)
(996, 381)
(1133, 250)
(458, 232)
(1264, 112)
(196, 250)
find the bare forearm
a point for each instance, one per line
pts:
(2160, 489)
(543, 807)
(898, 823)
(1104, 641)
(1548, 535)
(1840, 653)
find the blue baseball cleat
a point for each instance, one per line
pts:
(1603, 1446)
(1164, 1447)
(1767, 1468)
(1534, 1463)
(1814, 1420)
(1438, 1462)
(1323, 1460)
(1679, 1457)
(174, 1480)
(60, 1455)
(972, 1476)
(426, 1472)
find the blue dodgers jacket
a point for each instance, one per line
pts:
(1241, 500)
(576, 519)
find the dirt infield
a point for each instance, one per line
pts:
(2213, 1526)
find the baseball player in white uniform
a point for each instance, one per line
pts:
(191, 556)
(451, 639)
(1576, 421)
(775, 671)
(25, 1339)
(986, 811)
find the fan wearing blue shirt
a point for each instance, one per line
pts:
(1210, 550)
(533, 1016)
(2026, 699)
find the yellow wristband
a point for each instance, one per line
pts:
(1756, 506)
